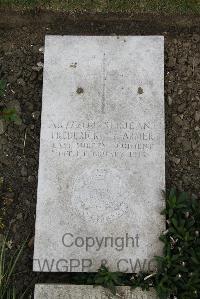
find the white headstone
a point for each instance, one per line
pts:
(53, 291)
(102, 154)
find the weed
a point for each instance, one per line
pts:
(177, 272)
(108, 279)
(7, 268)
(5, 113)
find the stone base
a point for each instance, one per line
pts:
(58, 291)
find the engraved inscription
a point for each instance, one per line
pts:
(93, 139)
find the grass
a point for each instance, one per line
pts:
(138, 6)
(7, 267)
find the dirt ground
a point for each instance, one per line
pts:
(21, 57)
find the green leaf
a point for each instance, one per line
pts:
(171, 213)
(10, 115)
(174, 221)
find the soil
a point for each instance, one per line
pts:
(21, 57)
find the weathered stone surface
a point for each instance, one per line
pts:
(102, 154)
(52, 291)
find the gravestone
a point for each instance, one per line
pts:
(53, 291)
(102, 154)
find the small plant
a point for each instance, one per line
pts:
(108, 279)
(179, 267)
(7, 268)
(178, 270)
(10, 115)
(5, 113)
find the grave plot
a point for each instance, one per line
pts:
(102, 154)
(21, 77)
